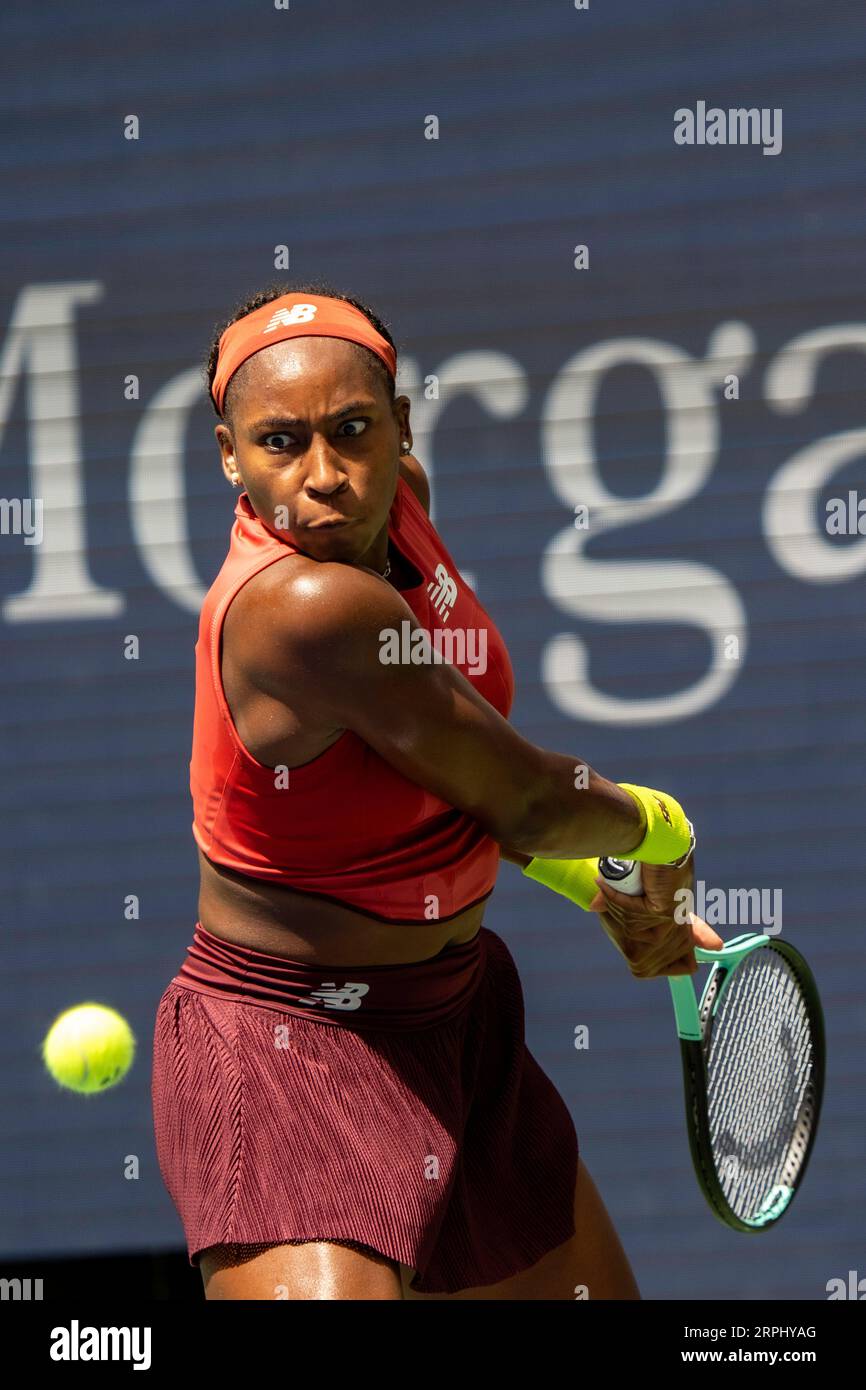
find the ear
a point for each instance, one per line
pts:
(227, 453)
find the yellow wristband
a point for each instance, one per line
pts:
(573, 878)
(668, 835)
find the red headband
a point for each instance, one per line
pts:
(294, 316)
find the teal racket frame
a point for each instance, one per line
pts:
(694, 1021)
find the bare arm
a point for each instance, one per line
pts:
(316, 645)
(414, 473)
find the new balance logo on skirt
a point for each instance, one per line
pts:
(349, 997)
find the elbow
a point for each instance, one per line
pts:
(527, 826)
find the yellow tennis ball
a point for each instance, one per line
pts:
(89, 1048)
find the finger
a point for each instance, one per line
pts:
(704, 935)
(653, 934)
(622, 900)
(614, 912)
(670, 953)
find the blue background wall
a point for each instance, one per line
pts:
(306, 128)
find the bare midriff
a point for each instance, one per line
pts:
(303, 926)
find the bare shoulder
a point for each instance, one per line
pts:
(302, 620)
(303, 614)
(417, 479)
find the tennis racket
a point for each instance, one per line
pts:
(753, 1056)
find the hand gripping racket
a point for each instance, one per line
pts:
(753, 1057)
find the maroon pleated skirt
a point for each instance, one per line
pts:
(395, 1107)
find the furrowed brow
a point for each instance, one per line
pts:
(279, 422)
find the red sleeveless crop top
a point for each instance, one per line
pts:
(348, 826)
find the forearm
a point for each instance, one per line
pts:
(575, 813)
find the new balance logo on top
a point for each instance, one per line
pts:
(299, 313)
(349, 997)
(443, 592)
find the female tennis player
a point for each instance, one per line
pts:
(344, 1103)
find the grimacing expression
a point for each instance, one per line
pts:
(313, 432)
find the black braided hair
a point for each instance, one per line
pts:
(275, 291)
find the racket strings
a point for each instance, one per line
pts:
(759, 1065)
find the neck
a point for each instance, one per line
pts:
(376, 558)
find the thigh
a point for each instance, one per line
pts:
(591, 1265)
(316, 1269)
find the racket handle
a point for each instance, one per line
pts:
(622, 874)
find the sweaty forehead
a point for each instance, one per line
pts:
(303, 363)
(298, 369)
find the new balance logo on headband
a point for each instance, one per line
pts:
(443, 592)
(299, 313)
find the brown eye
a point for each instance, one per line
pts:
(362, 423)
(284, 438)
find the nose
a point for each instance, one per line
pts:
(324, 474)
